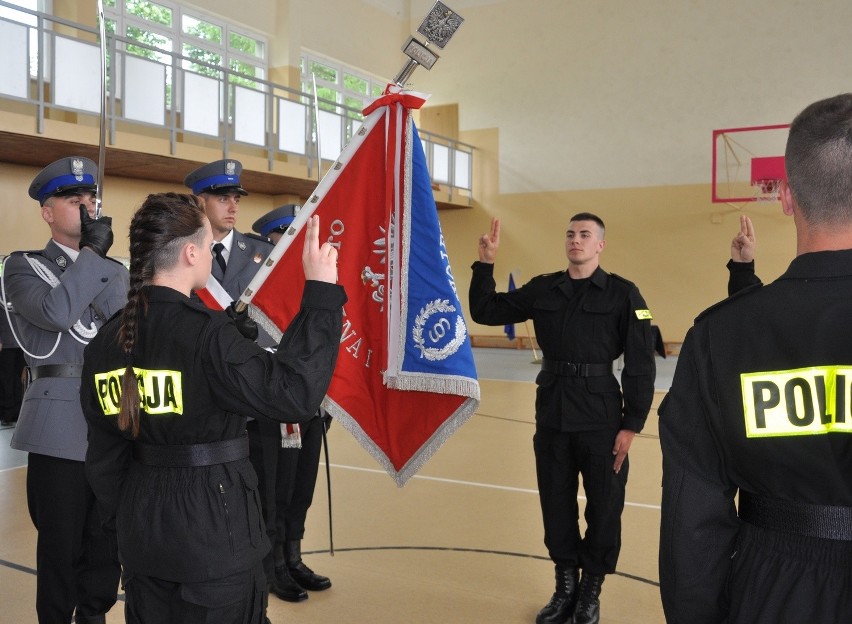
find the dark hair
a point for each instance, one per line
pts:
(588, 216)
(158, 232)
(818, 160)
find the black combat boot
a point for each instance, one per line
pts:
(90, 619)
(301, 573)
(283, 586)
(588, 609)
(561, 605)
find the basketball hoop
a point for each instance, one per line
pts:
(769, 189)
(767, 175)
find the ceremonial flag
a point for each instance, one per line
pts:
(405, 378)
(510, 327)
(214, 295)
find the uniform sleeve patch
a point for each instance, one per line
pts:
(644, 315)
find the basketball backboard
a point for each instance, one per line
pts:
(748, 163)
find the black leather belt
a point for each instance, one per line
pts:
(822, 521)
(570, 369)
(55, 370)
(185, 455)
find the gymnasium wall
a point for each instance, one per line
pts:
(573, 106)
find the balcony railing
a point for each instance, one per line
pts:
(54, 64)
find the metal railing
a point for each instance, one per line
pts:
(51, 67)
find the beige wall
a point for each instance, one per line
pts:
(605, 107)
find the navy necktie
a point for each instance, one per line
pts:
(219, 264)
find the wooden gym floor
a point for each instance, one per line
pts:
(460, 543)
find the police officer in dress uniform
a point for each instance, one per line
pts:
(61, 295)
(759, 412)
(166, 387)
(287, 462)
(584, 319)
(236, 256)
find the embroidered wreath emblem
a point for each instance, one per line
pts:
(438, 331)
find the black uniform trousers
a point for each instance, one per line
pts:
(561, 457)
(286, 480)
(236, 599)
(76, 561)
(11, 385)
(771, 571)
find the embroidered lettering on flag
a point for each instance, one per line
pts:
(405, 378)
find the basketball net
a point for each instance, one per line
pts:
(769, 190)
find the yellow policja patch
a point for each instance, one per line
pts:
(160, 391)
(644, 315)
(804, 401)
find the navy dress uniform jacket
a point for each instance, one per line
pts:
(595, 326)
(192, 524)
(89, 290)
(752, 409)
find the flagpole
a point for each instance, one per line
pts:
(102, 140)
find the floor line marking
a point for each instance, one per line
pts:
(490, 486)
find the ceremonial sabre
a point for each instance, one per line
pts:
(102, 142)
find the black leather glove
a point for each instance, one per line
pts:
(96, 234)
(245, 324)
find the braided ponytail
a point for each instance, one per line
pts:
(158, 231)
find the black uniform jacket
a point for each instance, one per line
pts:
(201, 378)
(741, 275)
(594, 326)
(754, 407)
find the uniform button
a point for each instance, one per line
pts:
(104, 279)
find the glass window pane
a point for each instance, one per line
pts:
(462, 170)
(150, 11)
(323, 72)
(355, 83)
(20, 16)
(152, 39)
(245, 69)
(203, 55)
(325, 93)
(202, 30)
(377, 90)
(353, 102)
(440, 163)
(246, 45)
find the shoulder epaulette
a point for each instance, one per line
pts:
(621, 279)
(257, 237)
(748, 290)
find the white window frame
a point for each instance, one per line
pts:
(122, 18)
(341, 92)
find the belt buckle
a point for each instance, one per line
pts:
(573, 369)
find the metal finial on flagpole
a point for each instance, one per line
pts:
(102, 141)
(438, 27)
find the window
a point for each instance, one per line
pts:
(343, 88)
(30, 20)
(209, 44)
